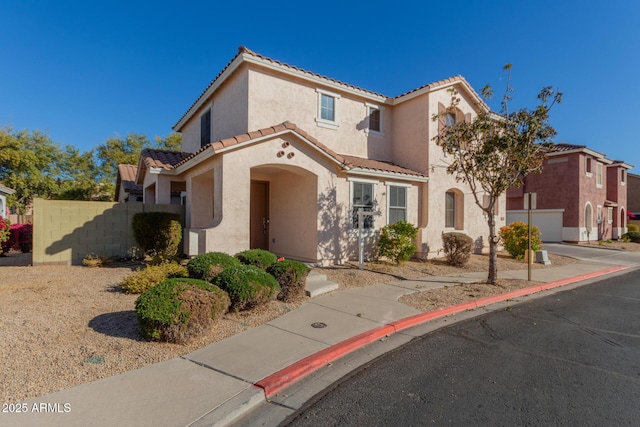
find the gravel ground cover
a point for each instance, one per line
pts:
(62, 326)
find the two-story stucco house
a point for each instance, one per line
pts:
(280, 158)
(581, 196)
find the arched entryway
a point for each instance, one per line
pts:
(283, 211)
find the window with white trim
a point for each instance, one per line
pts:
(588, 166)
(599, 215)
(397, 204)
(362, 196)
(327, 109)
(610, 215)
(623, 176)
(598, 174)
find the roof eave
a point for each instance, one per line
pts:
(387, 175)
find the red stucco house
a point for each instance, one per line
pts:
(581, 196)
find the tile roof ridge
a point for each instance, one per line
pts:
(451, 79)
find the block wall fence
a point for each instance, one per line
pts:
(65, 231)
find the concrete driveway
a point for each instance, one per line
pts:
(594, 254)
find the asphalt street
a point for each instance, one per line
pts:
(571, 358)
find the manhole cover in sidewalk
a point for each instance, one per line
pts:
(318, 325)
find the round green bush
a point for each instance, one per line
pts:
(515, 238)
(632, 227)
(143, 279)
(177, 310)
(396, 241)
(633, 236)
(457, 248)
(209, 265)
(291, 276)
(157, 233)
(247, 286)
(257, 257)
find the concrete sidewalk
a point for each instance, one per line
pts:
(217, 384)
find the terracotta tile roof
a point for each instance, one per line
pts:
(433, 85)
(247, 137)
(348, 161)
(127, 176)
(556, 148)
(162, 159)
(243, 50)
(379, 166)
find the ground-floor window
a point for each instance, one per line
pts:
(362, 196)
(397, 204)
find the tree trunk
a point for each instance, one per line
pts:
(493, 251)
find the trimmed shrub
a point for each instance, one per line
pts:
(457, 248)
(8, 236)
(208, 266)
(257, 257)
(177, 310)
(142, 280)
(247, 286)
(291, 276)
(25, 237)
(396, 242)
(633, 236)
(158, 234)
(633, 227)
(515, 237)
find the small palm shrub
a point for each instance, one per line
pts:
(158, 234)
(247, 286)
(291, 276)
(633, 227)
(515, 237)
(208, 266)
(396, 241)
(457, 248)
(149, 277)
(178, 310)
(257, 257)
(633, 236)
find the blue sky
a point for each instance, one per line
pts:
(86, 71)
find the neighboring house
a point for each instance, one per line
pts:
(279, 158)
(128, 191)
(126, 188)
(581, 196)
(4, 192)
(633, 193)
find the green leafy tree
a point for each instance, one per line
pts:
(492, 152)
(29, 163)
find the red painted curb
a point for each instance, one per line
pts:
(292, 373)
(295, 372)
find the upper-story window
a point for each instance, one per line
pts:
(374, 118)
(588, 166)
(327, 109)
(623, 176)
(598, 174)
(450, 119)
(205, 128)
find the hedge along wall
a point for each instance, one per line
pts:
(65, 231)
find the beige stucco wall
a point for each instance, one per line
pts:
(228, 113)
(64, 231)
(273, 100)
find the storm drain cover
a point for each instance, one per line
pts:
(318, 325)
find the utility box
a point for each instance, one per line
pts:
(542, 258)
